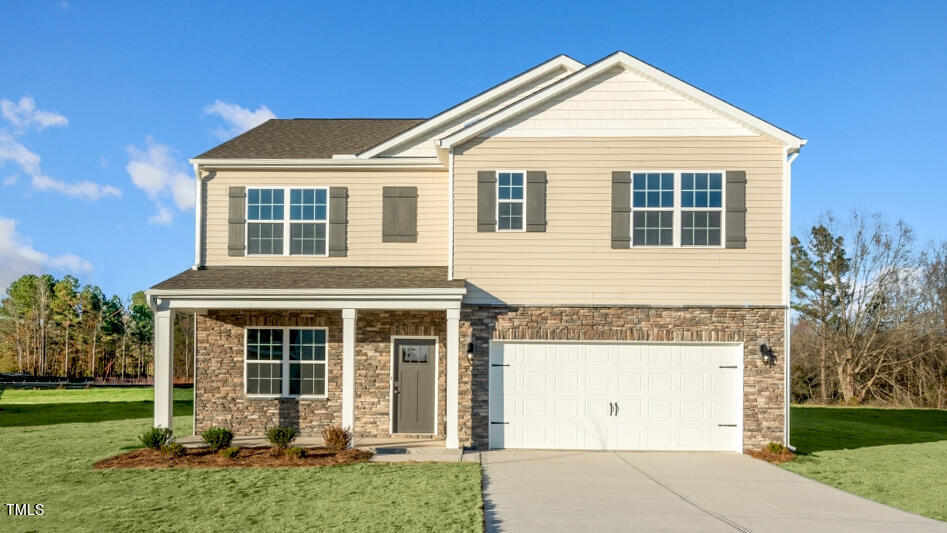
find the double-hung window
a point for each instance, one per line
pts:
(269, 221)
(511, 194)
(286, 362)
(265, 215)
(701, 208)
(677, 209)
(652, 202)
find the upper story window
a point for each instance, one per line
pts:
(701, 208)
(511, 192)
(677, 208)
(269, 221)
(652, 202)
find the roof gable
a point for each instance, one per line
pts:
(693, 111)
(420, 139)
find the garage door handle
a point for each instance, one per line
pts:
(727, 425)
(729, 366)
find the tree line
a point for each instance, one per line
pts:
(870, 315)
(56, 327)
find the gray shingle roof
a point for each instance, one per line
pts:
(315, 277)
(304, 138)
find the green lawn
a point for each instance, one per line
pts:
(894, 456)
(46, 457)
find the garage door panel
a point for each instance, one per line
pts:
(562, 395)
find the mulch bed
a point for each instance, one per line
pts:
(247, 458)
(776, 458)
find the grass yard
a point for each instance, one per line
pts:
(47, 458)
(894, 456)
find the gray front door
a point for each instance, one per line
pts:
(414, 386)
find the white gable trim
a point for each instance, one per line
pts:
(558, 62)
(639, 67)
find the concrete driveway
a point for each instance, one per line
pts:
(671, 491)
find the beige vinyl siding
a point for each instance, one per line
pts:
(365, 246)
(424, 146)
(573, 262)
(619, 103)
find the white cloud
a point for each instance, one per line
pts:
(238, 119)
(29, 162)
(23, 115)
(18, 257)
(10, 180)
(155, 171)
(64, 5)
(81, 189)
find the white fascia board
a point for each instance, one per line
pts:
(390, 162)
(639, 67)
(438, 298)
(561, 61)
(309, 293)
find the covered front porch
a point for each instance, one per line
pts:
(369, 349)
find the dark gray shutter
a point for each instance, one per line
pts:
(236, 222)
(486, 200)
(535, 200)
(621, 209)
(338, 221)
(399, 214)
(736, 209)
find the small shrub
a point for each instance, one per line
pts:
(280, 436)
(776, 448)
(156, 437)
(217, 438)
(295, 452)
(230, 452)
(336, 438)
(174, 449)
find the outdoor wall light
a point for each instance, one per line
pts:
(470, 351)
(767, 356)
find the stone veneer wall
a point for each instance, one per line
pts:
(219, 371)
(763, 386)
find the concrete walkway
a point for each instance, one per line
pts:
(668, 492)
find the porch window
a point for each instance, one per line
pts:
(272, 354)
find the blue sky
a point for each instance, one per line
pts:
(99, 92)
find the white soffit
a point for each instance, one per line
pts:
(554, 69)
(624, 102)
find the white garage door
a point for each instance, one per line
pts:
(613, 396)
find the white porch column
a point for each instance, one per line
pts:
(453, 377)
(164, 366)
(348, 369)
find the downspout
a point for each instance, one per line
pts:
(197, 217)
(789, 157)
(194, 382)
(450, 214)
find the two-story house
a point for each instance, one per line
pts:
(581, 257)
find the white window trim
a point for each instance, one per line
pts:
(496, 193)
(391, 378)
(676, 218)
(286, 220)
(284, 364)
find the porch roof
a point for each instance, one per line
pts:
(309, 277)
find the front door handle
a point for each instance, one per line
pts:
(616, 408)
(611, 408)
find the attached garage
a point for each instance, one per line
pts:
(616, 396)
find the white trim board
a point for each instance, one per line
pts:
(641, 68)
(558, 62)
